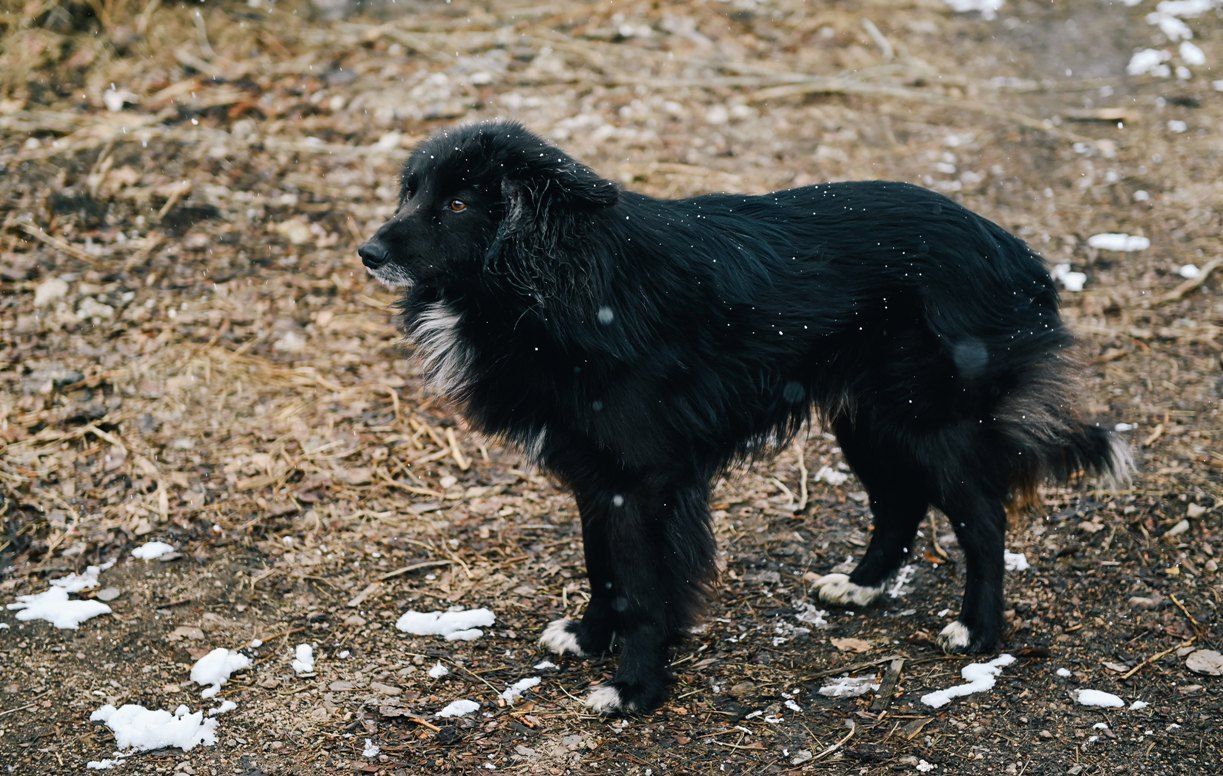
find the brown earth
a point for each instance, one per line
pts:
(220, 374)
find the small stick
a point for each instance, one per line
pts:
(853, 728)
(1155, 657)
(423, 722)
(1197, 627)
(888, 686)
(414, 567)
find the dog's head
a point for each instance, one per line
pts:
(485, 198)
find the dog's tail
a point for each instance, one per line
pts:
(1053, 445)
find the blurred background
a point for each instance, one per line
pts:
(191, 352)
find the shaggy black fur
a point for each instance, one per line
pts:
(637, 347)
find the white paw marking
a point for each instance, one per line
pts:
(837, 589)
(604, 699)
(560, 639)
(955, 636)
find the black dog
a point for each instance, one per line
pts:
(637, 347)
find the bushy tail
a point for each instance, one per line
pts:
(1049, 442)
(1081, 450)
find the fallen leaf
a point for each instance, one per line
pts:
(851, 645)
(1205, 661)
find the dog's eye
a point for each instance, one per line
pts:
(456, 205)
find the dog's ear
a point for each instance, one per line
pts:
(546, 194)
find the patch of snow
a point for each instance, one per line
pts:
(978, 677)
(792, 706)
(439, 670)
(50, 290)
(216, 667)
(458, 625)
(1189, 271)
(849, 687)
(831, 476)
(811, 615)
(1071, 281)
(1136, 705)
(458, 709)
(303, 659)
(54, 606)
(925, 767)
(1190, 8)
(1064, 673)
(1149, 62)
(1015, 561)
(104, 765)
(1173, 28)
(545, 665)
(152, 550)
(1176, 126)
(515, 690)
(1098, 698)
(1122, 427)
(224, 708)
(903, 578)
(86, 580)
(987, 8)
(1114, 241)
(371, 749)
(141, 729)
(1191, 54)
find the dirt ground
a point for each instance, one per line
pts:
(216, 371)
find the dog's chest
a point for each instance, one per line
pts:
(445, 355)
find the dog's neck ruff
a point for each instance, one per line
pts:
(445, 356)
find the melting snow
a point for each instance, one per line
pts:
(104, 765)
(459, 625)
(1071, 281)
(1149, 62)
(1098, 698)
(371, 749)
(849, 687)
(303, 659)
(215, 669)
(224, 708)
(54, 606)
(152, 550)
(515, 690)
(1114, 241)
(1189, 271)
(459, 709)
(1015, 561)
(1064, 673)
(988, 8)
(812, 616)
(439, 670)
(141, 729)
(831, 476)
(86, 580)
(545, 665)
(900, 585)
(979, 677)
(1136, 705)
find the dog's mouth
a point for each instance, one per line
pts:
(391, 276)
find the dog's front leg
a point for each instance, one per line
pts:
(638, 595)
(593, 633)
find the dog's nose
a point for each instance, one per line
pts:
(373, 254)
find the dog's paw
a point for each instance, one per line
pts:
(561, 638)
(958, 637)
(838, 590)
(615, 698)
(955, 637)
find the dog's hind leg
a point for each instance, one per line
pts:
(898, 499)
(979, 521)
(593, 633)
